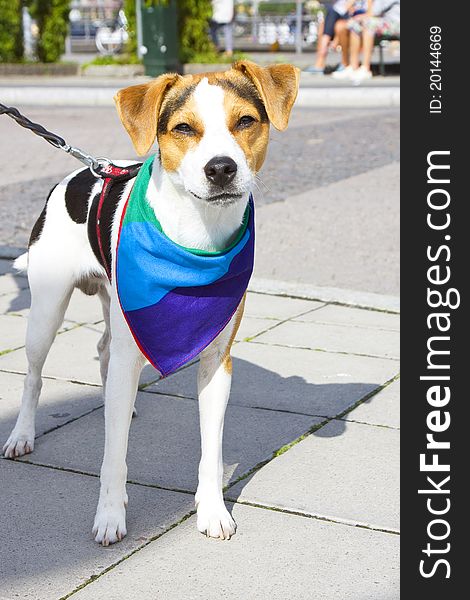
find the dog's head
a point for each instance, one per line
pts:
(212, 129)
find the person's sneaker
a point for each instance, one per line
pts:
(314, 70)
(344, 73)
(360, 75)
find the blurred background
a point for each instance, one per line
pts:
(328, 193)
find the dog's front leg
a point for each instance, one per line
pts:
(125, 366)
(214, 381)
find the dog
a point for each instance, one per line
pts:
(212, 133)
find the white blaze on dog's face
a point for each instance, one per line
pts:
(212, 129)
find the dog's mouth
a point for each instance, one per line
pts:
(223, 198)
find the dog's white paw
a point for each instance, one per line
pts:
(214, 520)
(18, 444)
(110, 523)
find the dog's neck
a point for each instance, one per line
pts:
(189, 222)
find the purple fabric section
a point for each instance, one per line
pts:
(186, 320)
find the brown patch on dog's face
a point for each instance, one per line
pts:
(180, 128)
(247, 120)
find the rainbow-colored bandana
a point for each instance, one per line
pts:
(176, 300)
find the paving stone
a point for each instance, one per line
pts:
(273, 556)
(334, 338)
(252, 326)
(164, 444)
(15, 302)
(73, 356)
(12, 332)
(346, 315)
(47, 515)
(5, 266)
(344, 471)
(12, 283)
(60, 402)
(382, 409)
(82, 308)
(276, 307)
(315, 383)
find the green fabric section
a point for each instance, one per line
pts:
(139, 211)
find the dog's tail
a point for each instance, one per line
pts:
(21, 263)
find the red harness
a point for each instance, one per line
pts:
(110, 174)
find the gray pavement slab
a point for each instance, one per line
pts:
(164, 442)
(382, 409)
(276, 307)
(273, 556)
(13, 331)
(12, 283)
(47, 548)
(60, 402)
(356, 317)
(253, 326)
(334, 338)
(5, 266)
(291, 379)
(82, 309)
(344, 471)
(73, 357)
(342, 235)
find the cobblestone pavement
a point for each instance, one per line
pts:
(310, 457)
(325, 155)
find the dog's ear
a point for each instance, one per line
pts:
(277, 86)
(139, 106)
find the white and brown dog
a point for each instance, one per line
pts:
(212, 132)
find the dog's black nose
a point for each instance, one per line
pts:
(221, 170)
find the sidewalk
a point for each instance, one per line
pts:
(310, 450)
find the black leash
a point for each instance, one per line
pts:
(98, 166)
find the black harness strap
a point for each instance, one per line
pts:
(105, 206)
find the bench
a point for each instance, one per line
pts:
(379, 39)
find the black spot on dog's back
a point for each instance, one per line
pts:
(77, 195)
(39, 225)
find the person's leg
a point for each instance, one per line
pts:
(228, 38)
(328, 33)
(342, 33)
(367, 47)
(214, 30)
(354, 49)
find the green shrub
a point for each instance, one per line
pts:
(195, 42)
(11, 31)
(52, 18)
(131, 46)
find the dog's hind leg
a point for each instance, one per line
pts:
(51, 289)
(214, 381)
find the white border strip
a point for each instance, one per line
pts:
(103, 96)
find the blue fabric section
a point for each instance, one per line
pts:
(150, 265)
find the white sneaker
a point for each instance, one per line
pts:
(345, 73)
(360, 75)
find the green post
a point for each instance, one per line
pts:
(160, 39)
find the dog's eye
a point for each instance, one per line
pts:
(245, 122)
(183, 128)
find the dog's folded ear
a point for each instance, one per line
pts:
(277, 86)
(138, 107)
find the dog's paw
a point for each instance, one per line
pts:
(110, 524)
(18, 444)
(214, 520)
